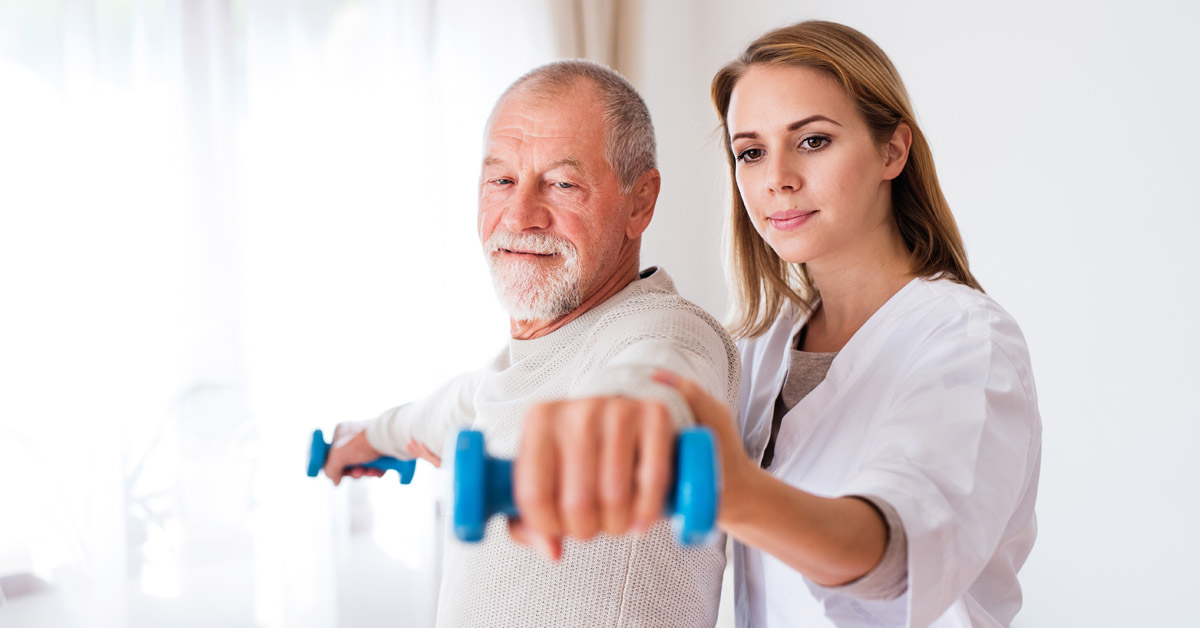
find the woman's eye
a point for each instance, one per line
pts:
(814, 143)
(750, 154)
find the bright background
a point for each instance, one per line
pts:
(225, 223)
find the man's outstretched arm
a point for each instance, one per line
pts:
(425, 421)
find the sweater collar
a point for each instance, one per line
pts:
(652, 279)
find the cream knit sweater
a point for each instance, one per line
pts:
(608, 581)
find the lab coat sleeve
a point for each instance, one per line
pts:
(427, 420)
(953, 454)
(688, 346)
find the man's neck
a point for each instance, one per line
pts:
(529, 330)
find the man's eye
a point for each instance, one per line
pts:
(814, 143)
(563, 185)
(502, 181)
(750, 154)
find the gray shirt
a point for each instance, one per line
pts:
(889, 579)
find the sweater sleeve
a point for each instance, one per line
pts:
(427, 420)
(684, 343)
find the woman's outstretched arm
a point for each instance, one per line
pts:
(831, 540)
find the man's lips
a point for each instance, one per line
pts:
(520, 252)
(790, 219)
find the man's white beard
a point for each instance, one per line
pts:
(528, 290)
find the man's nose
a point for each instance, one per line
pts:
(526, 210)
(783, 173)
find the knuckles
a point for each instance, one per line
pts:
(613, 492)
(579, 514)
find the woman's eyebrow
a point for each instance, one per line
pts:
(791, 127)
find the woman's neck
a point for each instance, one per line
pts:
(852, 292)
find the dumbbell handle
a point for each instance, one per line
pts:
(320, 451)
(483, 486)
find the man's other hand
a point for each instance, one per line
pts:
(350, 448)
(419, 450)
(588, 466)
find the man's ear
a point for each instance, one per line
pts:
(643, 196)
(896, 151)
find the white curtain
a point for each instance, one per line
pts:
(225, 224)
(589, 29)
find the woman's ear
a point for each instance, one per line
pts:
(644, 196)
(896, 151)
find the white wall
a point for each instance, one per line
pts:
(1067, 141)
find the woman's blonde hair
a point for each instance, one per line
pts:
(763, 282)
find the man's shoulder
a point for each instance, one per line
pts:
(652, 306)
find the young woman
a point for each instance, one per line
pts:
(886, 465)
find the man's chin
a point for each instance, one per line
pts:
(527, 312)
(524, 305)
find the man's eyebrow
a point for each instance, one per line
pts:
(791, 127)
(568, 162)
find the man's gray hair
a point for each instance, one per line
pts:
(629, 146)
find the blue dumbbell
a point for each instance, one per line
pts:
(483, 487)
(320, 450)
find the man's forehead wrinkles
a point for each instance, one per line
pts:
(514, 150)
(519, 132)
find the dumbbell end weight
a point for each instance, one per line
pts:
(694, 497)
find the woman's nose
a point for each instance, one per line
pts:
(783, 175)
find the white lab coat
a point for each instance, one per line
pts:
(931, 407)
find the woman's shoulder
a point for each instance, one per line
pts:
(950, 302)
(944, 311)
(790, 317)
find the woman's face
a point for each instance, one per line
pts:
(814, 181)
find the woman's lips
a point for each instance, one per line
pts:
(789, 220)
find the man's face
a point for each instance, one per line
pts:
(551, 216)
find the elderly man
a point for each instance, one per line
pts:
(568, 186)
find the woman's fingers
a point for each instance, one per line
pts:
(738, 470)
(708, 410)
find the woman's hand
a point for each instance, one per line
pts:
(737, 469)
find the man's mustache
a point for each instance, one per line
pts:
(539, 243)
